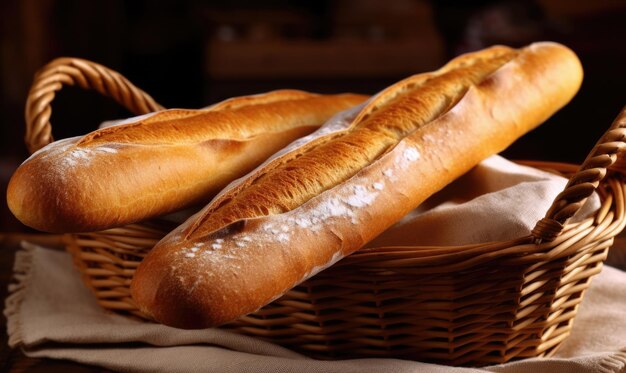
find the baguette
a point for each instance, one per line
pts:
(319, 201)
(158, 163)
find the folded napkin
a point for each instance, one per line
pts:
(52, 314)
(498, 200)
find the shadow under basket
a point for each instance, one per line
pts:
(461, 305)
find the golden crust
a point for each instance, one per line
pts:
(382, 123)
(162, 162)
(198, 277)
(235, 119)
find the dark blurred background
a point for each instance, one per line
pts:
(192, 53)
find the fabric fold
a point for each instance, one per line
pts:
(22, 271)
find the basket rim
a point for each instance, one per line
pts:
(614, 180)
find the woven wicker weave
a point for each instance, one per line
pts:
(463, 305)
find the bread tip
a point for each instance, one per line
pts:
(160, 296)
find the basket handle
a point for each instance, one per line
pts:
(584, 182)
(87, 75)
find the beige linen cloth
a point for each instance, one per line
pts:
(51, 314)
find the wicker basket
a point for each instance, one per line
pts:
(465, 305)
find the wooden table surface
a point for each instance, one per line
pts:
(14, 360)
